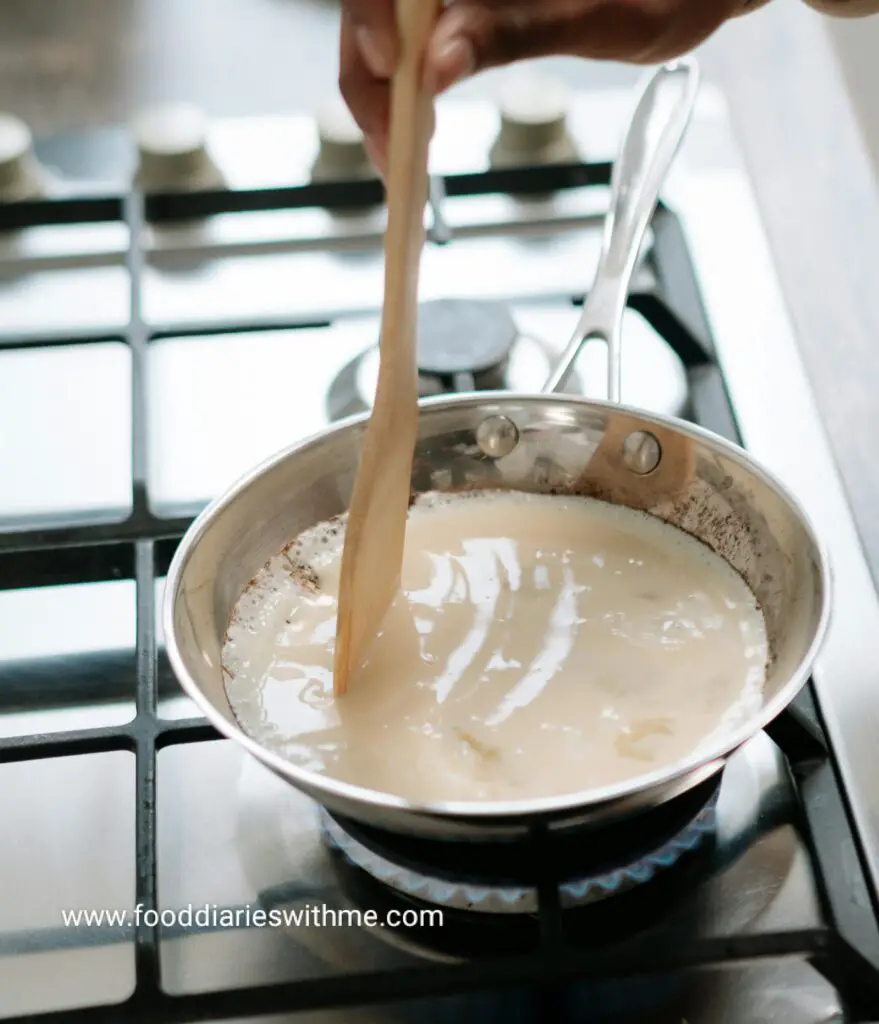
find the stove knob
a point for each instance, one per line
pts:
(172, 149)
(341, 153)
(534, 129)
(20, 173)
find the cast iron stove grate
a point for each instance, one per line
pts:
(845, 950)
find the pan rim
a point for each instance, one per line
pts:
(486, 812)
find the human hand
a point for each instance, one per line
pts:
(472, 35)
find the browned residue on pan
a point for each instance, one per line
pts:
(303, 575)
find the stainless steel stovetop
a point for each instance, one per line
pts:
(152, 352)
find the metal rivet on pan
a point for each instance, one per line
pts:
(641, 452)
(497, 436)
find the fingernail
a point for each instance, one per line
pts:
(452, 60)
(378, 51)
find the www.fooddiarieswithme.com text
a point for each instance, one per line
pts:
(212, 916)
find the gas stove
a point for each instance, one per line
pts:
(179, 302)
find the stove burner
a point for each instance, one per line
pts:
(498, 877)
(290, 860)
(466, 935)
(463, 345)
(520, 899)
(460, 339)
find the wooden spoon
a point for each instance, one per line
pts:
(373, 553)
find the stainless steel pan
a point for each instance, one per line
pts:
(548, 442)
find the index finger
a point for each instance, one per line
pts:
(375, 28)
(368, 97)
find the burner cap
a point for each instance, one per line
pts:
(463, 336)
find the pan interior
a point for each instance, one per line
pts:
(543, 444)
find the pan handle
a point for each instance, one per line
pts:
(648, 151)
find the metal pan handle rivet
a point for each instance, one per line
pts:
(642, 453)
(497, 437)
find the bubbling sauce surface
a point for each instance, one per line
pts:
(539, 646)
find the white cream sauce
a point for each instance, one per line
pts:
(539, 646)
